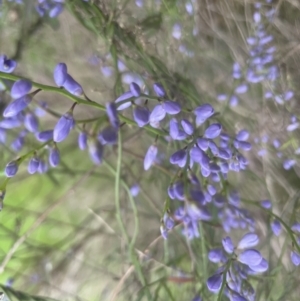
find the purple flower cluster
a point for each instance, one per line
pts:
(52, 8)
(214, 153)
(237, 264)
(295, 254)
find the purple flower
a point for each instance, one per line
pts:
(159, 90)
(260, 268)
(179, 158)
(295, 257)
(213, 131)
(31, 123)
(33, 165)
(72, 86)
(225, 153)
(176, 32)
(214, 283)
(108, 136)
(178, 190)
(288, 164)
(196, 154)
(211, 189)
(216, 255)
(241, 89)
(82, 140)
(175, 133)
(233, 101)
(248, 240)
(296, 227)
(257, 17)
(236, 71)
(213, 147)
(203, 113)
(43, 167)
(20, 88)
(171, 107)
(125, 96)
(44, 136)
(244, 145)
(276, 227)
(228, 245)
(292, 127)
(250, 257)
(60, 74)
(234, 296)
(168, 221)
(134, 190)
(11, 169)
(187, 126)
(18, 143)
(150, 156)
(54, 157)
(55, 10)
(112, 114)
(157, 114)
(141, 116)
(203, 143)
(7, 65)
(16, 106)
(266, 204)
(222, 97)
(288, 95)
(95, 151)
(107, 71)
(276, 143)
(135, 89)
(242, 135)
(63, 127)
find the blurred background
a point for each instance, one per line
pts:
(59, 232)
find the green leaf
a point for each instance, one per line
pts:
(9, 294)
(152, 22)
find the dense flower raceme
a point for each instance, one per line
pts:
(237, 264)
(51, 8)
(205, 156)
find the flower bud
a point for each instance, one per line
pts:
(108, 136)
(54, 157)
(187, 126)
(44, 136)
(250, 257)
(11, 169)
(150, 156)
(31, 123)
(171, 107)
(16, 106)
(228, 245)
(82, 140)
(249, 240)
(159, 90)
(72, 86)
(20, 88)
(63, 127)
(135, 89)
(214, 283)
(33, 165)
(213, 131)
(60, 74)
(141, 115)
